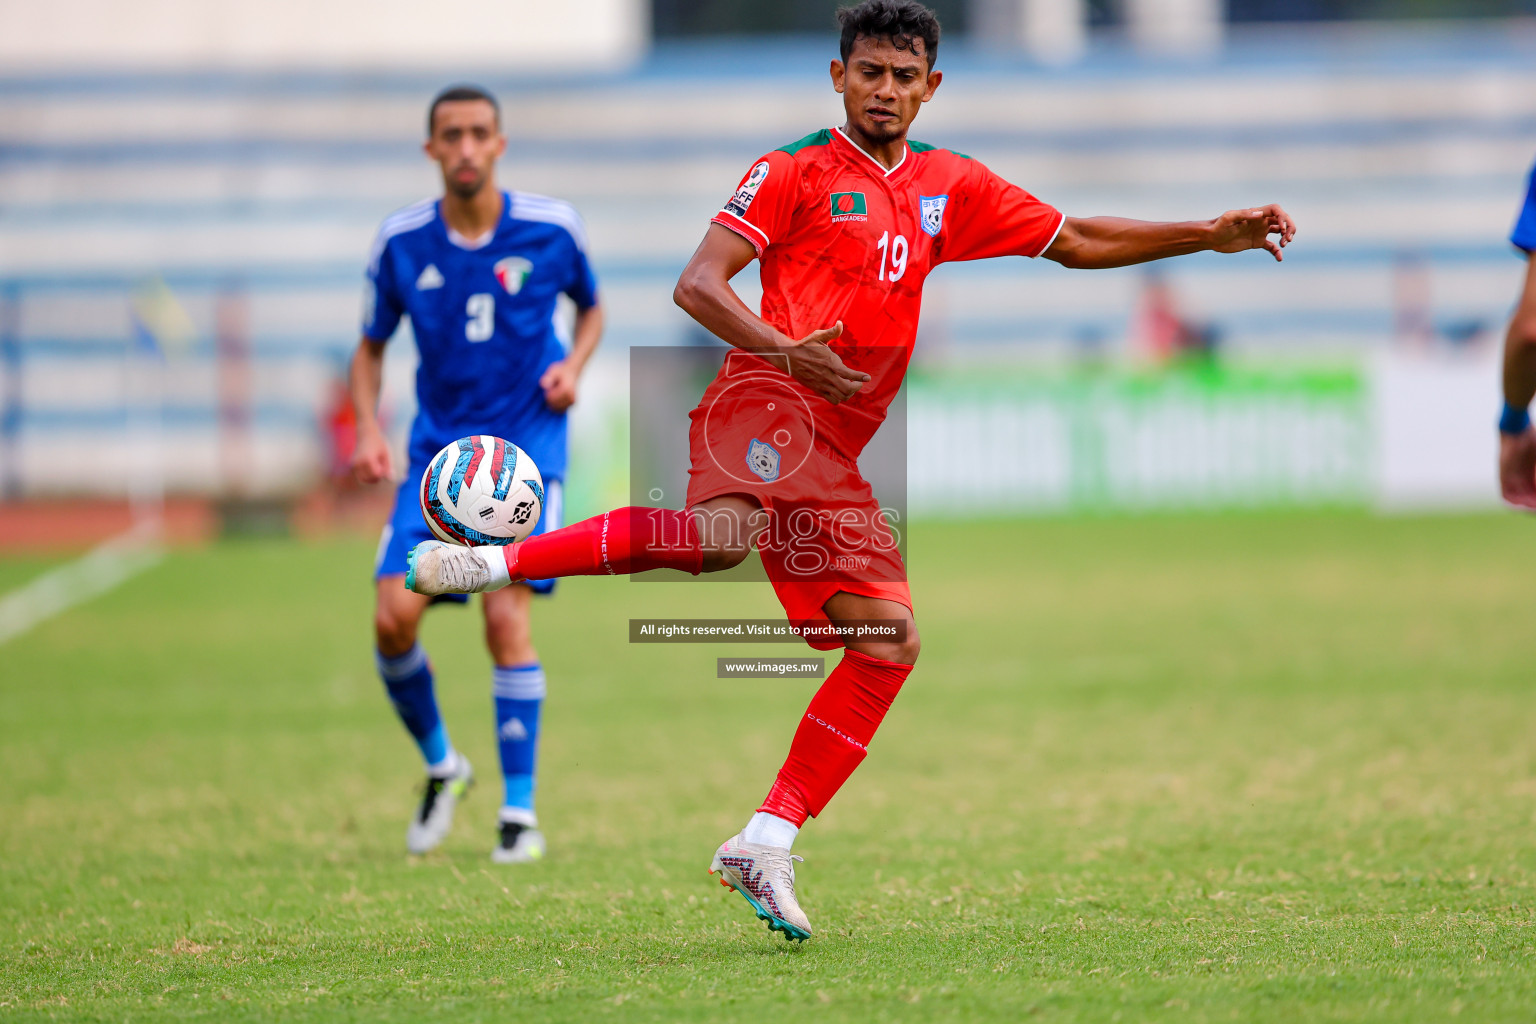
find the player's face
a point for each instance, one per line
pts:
(883, 87)
(466, 142)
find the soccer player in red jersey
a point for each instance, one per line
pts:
(846, 223)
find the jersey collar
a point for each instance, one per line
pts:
(506, 217)
(876, 165)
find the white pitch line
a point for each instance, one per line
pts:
(91, 575)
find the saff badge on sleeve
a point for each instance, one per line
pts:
(742, 200)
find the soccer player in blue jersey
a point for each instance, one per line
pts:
(1517, 441)
(479, 273)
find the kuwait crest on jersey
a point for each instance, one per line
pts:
(931, 213)
(512, 272)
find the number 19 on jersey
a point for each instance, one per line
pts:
(897, 251)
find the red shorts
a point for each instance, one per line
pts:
(825, 533)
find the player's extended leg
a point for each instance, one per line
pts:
(407, 675)
(517, 690)
(830, 742)
(714, 535)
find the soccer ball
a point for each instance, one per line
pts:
(482, 490)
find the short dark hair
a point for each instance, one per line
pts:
(457, 94)
(900, 21)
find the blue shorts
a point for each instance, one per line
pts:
(407, 527)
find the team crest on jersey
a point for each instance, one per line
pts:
(763, 459)
(739, 202)
(512, 272)
(931, 211)
(848, 206)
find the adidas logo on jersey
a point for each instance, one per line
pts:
(430, 278)
(514, 730)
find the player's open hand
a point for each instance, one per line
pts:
(559, 384)
(813, 363)
(1240, 230)
(371, 458)
(1517, 468)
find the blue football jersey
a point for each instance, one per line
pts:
(483, 320)
(1524, 234)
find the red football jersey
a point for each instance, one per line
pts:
(840, 237)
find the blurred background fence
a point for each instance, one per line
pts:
(182, 235)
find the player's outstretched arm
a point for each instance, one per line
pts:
(1517, 440)
(559, 381)
(1096, 243)
(704, 292)
(371, 460)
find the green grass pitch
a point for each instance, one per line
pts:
(1253, 768)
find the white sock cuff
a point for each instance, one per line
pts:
(518, 816)
(447, 767)
(520, 682)
(770, 830)
(401, 666)
(496, 559)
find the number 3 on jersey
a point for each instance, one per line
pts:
(897, 251)
(481, 310)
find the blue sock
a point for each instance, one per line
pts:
(519, 695)
(408, 678)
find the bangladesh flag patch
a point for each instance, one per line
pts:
(849, 206)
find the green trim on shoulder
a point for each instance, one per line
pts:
(821, 138)
(923, 147)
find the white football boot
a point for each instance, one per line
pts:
(765, 876)
(433, 568)
(439, 797)
(521, 842)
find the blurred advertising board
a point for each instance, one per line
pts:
(1397, 431)
(1207, 436)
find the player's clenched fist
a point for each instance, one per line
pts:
(559, 384)
(813, 363)
(1237, 230)
(371, 460)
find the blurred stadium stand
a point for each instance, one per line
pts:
(254, 196)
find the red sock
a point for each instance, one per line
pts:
(622, 541)
(834, 735)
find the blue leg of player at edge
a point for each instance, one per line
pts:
(408, 678)
(518, 692)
